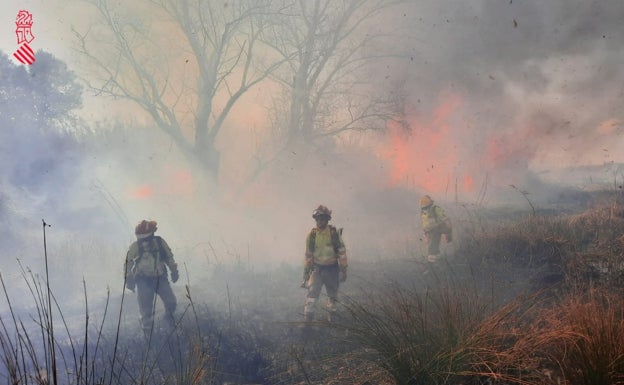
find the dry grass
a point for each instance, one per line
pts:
(433, 331)
(417, 340)
(595, 319)
(572, 335)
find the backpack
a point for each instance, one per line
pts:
(335, 238)
(149, 260)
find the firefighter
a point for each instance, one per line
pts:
(435, 223)
(146, 266)
(325, 263)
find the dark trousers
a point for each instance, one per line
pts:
(433, 242)
(147, 289)
(327, 276)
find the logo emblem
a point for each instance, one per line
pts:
(23, 32)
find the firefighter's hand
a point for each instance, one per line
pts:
(174, 275)
(130, 285)
(307, 273)
(343, 275)
(448, 237)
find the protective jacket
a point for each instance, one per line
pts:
(149, 257)
(434, 219)
(325, 247)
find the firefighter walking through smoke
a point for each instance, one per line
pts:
(146, 270)
(325, 263)
(435, 223)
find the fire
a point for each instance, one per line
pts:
(468, 183)
(142, 192)
(427, 156)
(609, 127)
(171, 181)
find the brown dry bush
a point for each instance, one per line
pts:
(595, 354)
(530, 241)
(566, 249)
(404, 334)
(572, 335)
(448, 338)
(419, 338)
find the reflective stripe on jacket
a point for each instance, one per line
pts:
(323, 252)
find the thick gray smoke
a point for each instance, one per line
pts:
(536, 76)
(495, 93)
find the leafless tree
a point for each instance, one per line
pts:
(331, 48)
(186, 65)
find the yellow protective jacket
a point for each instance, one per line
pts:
(149, 257)
(434, 219)
(320, 248)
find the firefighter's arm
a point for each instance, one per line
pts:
(448, 235)
(308, 265)
(308, 262)
(128, 274)
(343, 262)
(170, 261)
(429, 226)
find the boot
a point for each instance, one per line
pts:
(309, 309)
(169, 321)
(331, 310)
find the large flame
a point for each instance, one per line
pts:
(426, 156)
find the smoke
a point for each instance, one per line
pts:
(495, 93)
(500, 91)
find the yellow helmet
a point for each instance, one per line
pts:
(321, 211)
(425, 201)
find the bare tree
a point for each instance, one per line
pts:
(186, 66)
(331, 48)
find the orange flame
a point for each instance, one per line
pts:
(426, 157)
(171, 181)
(142, 192)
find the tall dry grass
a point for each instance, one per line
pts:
(573, 335)
(426, 332)
(450, 337)
(595, 353)
(418, 338)
(44, 347)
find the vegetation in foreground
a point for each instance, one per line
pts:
(534, 300)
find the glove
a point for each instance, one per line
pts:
(448, 237)
(343, 274)
(174, 274)
(130, 284)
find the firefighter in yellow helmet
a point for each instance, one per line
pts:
(146, 266)
(435, 223)
(325, 263)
